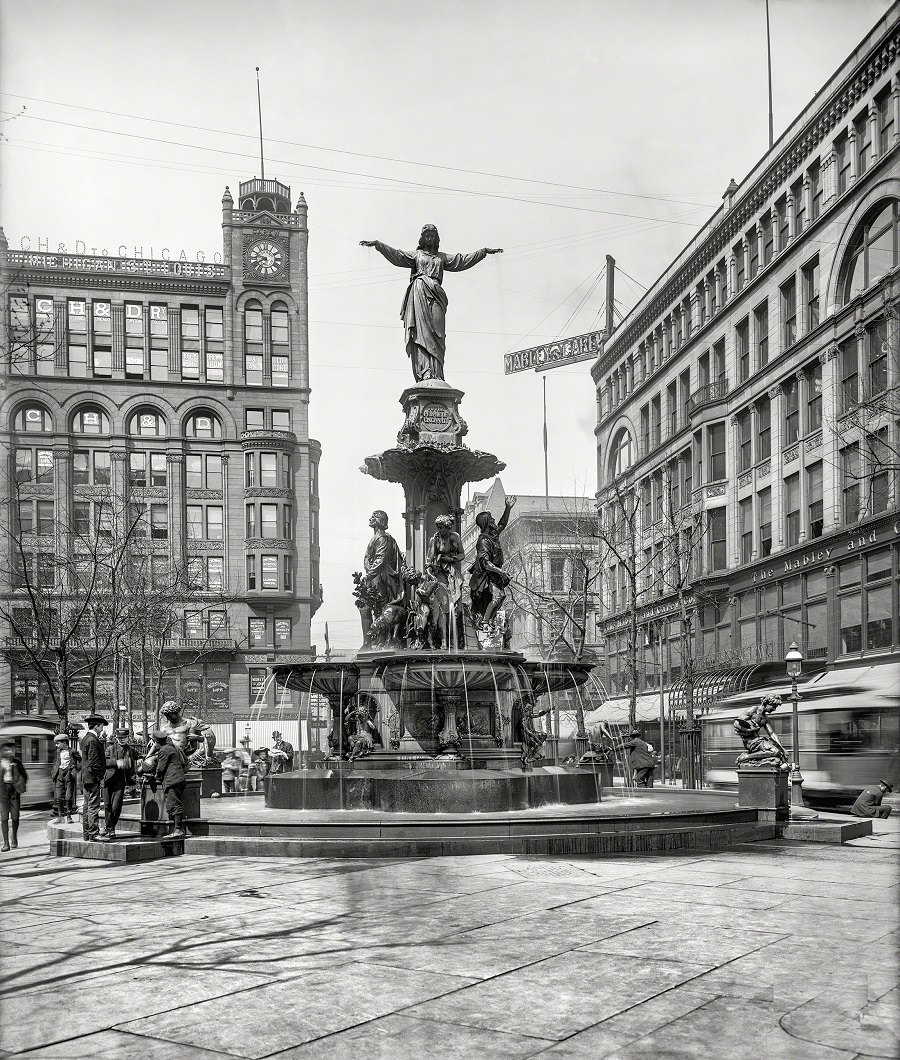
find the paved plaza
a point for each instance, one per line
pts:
(769, 949)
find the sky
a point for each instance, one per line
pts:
(560, 130)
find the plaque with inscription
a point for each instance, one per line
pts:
(436, 417)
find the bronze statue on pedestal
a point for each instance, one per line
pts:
(425, 303)
(487, 578)
(761, 746)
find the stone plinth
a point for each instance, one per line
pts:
(210, 780)
(154, 819)
(765, 789)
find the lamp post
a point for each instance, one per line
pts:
(794, 661)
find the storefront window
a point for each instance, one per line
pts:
(878, 618)
(851, 623)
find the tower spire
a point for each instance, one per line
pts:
(262, 163)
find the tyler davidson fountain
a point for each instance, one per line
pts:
(435, 712)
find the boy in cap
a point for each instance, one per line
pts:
(170, 763)
(868, 804)
(64, 776)
(119, 774)
(93, 767)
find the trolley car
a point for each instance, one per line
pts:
(849, 725)
(33, 739)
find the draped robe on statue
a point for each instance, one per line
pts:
(425, 304)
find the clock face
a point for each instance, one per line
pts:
(265, 258)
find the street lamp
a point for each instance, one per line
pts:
(794, 661)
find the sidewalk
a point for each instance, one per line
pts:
(764, 950)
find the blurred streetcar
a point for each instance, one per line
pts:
(849, 722)
(33, 739)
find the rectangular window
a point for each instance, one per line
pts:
(81, 467)
(814, 498)
(851, 473)
(718, 353)
(745, 441)
(289, 575)
(77, 360)
(879, 626)
(251, 572)
(863, 143)
(134, 319)
(783, 225)
(287, 523)
(251, 520)
(215, 573)
(215, 367)
(77, 317)
(815, 191)
(753, 248)
(792, 509)
(254, 420)
(190, 322)
(270, 572)
(193, 471)
(268, 520)
(194, 522)
(883, 461)
(81, 518)
(159, 321)
(764, 505)
(746, 516)
(213, 472)
(791, 411)
(45, 519)
(851, 623)
(102, 469)
(811, 293)
(190, 364)
(717, 551)
(768, 239)
(282, 632)
(102, 318)
(159, 522)
(137, 469)
(878, 345)
(849, 374)
(842, 163)
(789, 313)
(256, 632)
(742, 349)
(215, 329)
(102, 361)
(26, 517)
(285, 471)
(159, 364)
(281, 419)
(253, 369)
(799, 207)
(24, 465)
(814, 398)
(716, 452)
(268, 469)
(253, 326)
(281, 370)
(134, 362)
(215, 523)
(249, 469)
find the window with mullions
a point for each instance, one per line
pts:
(253, 369)
(873, 250)
(745, 441)
(791, 411)
(281, 419)
(882, 462)
(717, 553)
(746, 521)
(269, 572)
(753, 247)
(34, 465)
(203, 471)
(256, 632)
(33, 418)
(203, 425)
(90, 468)
(814, 499)
(716, 442)
(268, 469)
(811, 293)
(761, 333)
(879, 346)
(815, 190)
(851, 469)
(792, 510)
(863, 142)
(147, 469)
(788, 313)
(782, 224)
(842, 163)
(742, 349)
(764, 509)
(147, 424)
(90, 421)
(849, 374)
(814, 398)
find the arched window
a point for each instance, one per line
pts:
(203, 425)
(33, 418)
(90, 420)
(874, 249)
(147, 423)
(621, 453)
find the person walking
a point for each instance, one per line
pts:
(167, 765)
(641, 761)
(119, 773)
(868, 803)
(93, 768)
(65, 778)
(13, 782)
(231, 769)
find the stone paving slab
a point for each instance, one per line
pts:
(761, 950)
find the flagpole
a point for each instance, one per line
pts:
(769, 55)
(546, 469)
(262, 164)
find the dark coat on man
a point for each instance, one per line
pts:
(74, 762)
(114, 776)
(639, 754)
(19, 783)
(93, 759)
(170, 764)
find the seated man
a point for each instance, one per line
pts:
(869, 802)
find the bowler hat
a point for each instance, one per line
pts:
(60, 737)
(276, 733)
(888, 785)
(159, 735)
(635, 732)
(95, 719)
(123, 730)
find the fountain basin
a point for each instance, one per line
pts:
(431, 790)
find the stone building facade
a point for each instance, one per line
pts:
(753, 391)
(180, 388)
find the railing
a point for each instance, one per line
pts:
(267, 187)
(708, 394)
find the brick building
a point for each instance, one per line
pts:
(753, 390)
(181, 388)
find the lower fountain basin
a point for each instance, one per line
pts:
(431, 790)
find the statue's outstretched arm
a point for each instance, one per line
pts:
(402, 258)
(461, 262)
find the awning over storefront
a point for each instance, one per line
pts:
(615, 711)
(711, 687)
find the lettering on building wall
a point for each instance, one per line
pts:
(580, 348)
(104, 262)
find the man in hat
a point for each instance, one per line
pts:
(282, 754)
(119, 774)
(93, 767)
(13, 781)
(868, 804)
(166, 764)
(64, 776)
(641, 761)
